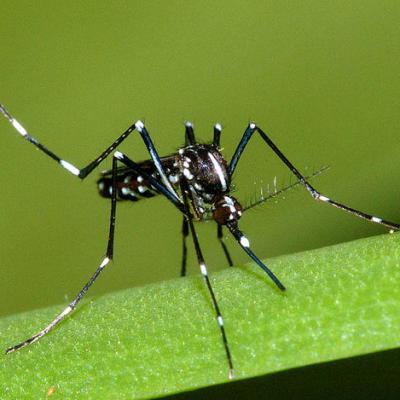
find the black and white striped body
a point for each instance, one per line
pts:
(204, 171)
(132, 186)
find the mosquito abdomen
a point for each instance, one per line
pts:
(129, 187)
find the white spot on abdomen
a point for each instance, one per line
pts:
(174, 179)
(188, 174)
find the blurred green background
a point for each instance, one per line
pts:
(321, 77)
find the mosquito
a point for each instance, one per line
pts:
(197, 181)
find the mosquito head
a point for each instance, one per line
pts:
(226, 209)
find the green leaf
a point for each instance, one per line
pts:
(160, 339)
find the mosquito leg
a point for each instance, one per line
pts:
(204, 273)
(185, 233)
(224, 248)
(217, 134)
(276, 193)
(245, 245)
(153, 181)
(252, 128)
(84, 172)
(100, 268)
(190, 139)
(163, 190)
(155, 157)
(81, 173)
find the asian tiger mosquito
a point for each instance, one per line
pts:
(197, 181)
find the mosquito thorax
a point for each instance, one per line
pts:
(226, 209)
(205, 170)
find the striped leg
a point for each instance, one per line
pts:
(224, 248)
(190, 139)
(84, 172)
(245, 245)
(217, 134)
(252, 128)
(110, 247)
(100, 268)
(185, 234)
(153, 181)
(203, 270)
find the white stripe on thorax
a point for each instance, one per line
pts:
(219, 171)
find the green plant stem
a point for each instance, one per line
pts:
(160, 339)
